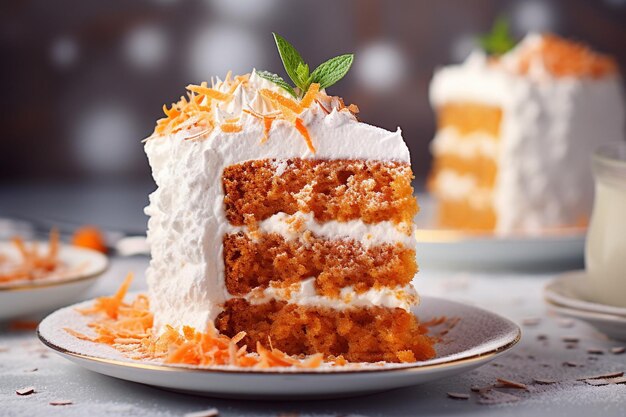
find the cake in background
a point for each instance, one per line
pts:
(515, 132)
(280, 215)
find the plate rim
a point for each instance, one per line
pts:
(553, 297)
(447, 236)
(585, 314)
(416, 367)
(43, 283)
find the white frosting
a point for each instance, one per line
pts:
(472, 81)
(451, 185)
(304, 293)
(187, 219)
(291, 227)
(550, 126)
(449, 141)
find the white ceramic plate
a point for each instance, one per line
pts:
(457, 249)
(479, 337)
(570, 290)
(22, 298)
(567, 295)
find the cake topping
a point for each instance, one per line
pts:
(562, 58)
(261, 95)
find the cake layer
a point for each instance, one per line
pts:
(482, 171)
(470, 117)
(342, 190)
(462, 214)
(359, 334)
(254, 262)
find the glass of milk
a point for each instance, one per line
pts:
(605, 252)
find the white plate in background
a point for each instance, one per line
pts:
(20, 298)
(561, 249)
(567, 295)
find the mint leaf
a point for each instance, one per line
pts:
(499, 41)
(278, 80)
(331, 71)
(291, 60)
(303, 73)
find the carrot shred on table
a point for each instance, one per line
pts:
(127, 327)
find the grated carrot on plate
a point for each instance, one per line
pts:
(127, 327)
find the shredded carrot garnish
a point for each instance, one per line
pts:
(354, 109)
(267, 126)
(231, 127)
(565, 58)
(305, 134)
(208, 92)
(127, 327)
(195, 114)
(310, 95)
(32, 264)
(282, 100)
(89, 237)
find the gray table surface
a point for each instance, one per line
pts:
(514, 295)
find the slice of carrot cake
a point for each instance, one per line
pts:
(279, 214)
(516, 131)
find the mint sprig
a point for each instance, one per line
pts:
(278, 80)
(332, 70)
(499, 41)
(327, 74)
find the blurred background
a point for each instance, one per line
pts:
(84, 82)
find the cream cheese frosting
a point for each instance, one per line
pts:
(291, 227)
(549, 128)
(187, 219)
(303, 293)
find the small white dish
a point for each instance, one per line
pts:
(488, 250)
(571, 290)
(20, 298)
(479, 337)
(567, 295)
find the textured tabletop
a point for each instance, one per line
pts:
(542, 354)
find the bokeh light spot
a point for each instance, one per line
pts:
(146, 46)
(64, 52)
(380, 66)
(106, 139)
(216, 50)
(534, 16)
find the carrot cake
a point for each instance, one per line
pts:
(515, 133)
(280, 215)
